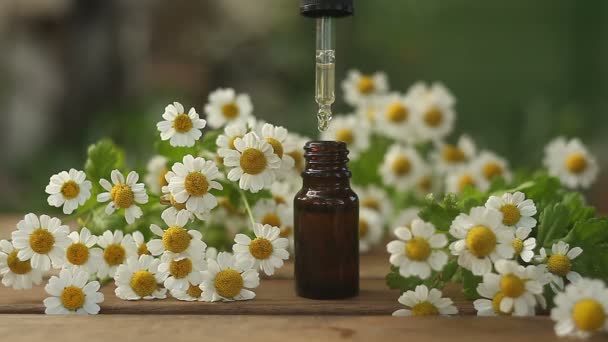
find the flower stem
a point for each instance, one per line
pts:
(247, 207)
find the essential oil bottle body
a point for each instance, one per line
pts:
(326, 219)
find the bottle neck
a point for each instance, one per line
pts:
(326, 164)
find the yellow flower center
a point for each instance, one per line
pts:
(276, 146)
(271, 219)
(496, 304)
(346, 135)
(417, 249)
(433, 117)
(588, 315)
(114, 254)
(70, 189)
(175, 204)
(481, 241)
(194, 291)
(371, 203)
(559, 264)
(401, 166)
(261, 248)
(196, 184)
(161, 177)
(464, 181)
(176, 239)
(363, 228)
(286, 232)
(366, 85)
(230, 110)
(142, 249)
(396, 113)
(453, 154)
(370, 113)
(512, 286)
(143, 283)
(518, 245)
(181, 268)
(576, 163)
(228, 283)
(491, 170)
(182, 123)
(298, 159)
(510, 214)
(231, 142)
(17, 266)
(72, 298)
(425, 183)
(42, 241)
(77, 253)
(122, 195)
(425, 309)
(279, 199)
(253, 161)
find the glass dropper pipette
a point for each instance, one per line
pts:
(325, 71)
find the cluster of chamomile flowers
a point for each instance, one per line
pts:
(425, 115)
(253, 154)
(494, 242)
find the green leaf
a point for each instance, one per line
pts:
(365, 167)
(553, 224)
(575, 203)
(174, 154)
(102, 157)
(469, 284)
(208, 144)
(592, 236)
(440, 214)
(470, 198)
(394, 280)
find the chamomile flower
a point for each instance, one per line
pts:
(516, 210)
(394, 117)
(283, 192)
(41, 240)
(179, 128)
(180, 274)
(124, 195)
(405, 218)
(426, 181)
(157, 169)
(571, 162)
(514, 290)
(295, 149)
(489, 166)
(350, 130)
(139, 279)
(523, 245)
(268, 212)
(117, 248)
(559, 264)
(459, 179)
(252, 163)
(434, 116)
(450, 157)
(374, 198)
(481, 240)
(266, 251)
(176, 241)
(276, 136)
(423, 302)
(190, 182)
(194, 292)
(72, 293)
(370, 229)
(225, 106)
(16, 273)
(360, 89)
(68, 189)
(80, 253)
(232, 131)
(418, 250)
(226, 279)
(582, 309)
(140, 243)
(401, 167)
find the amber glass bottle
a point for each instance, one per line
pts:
(326, 223)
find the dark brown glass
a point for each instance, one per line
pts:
(326, 225)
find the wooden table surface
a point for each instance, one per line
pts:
(275, 314)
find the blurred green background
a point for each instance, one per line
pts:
(74, 71)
